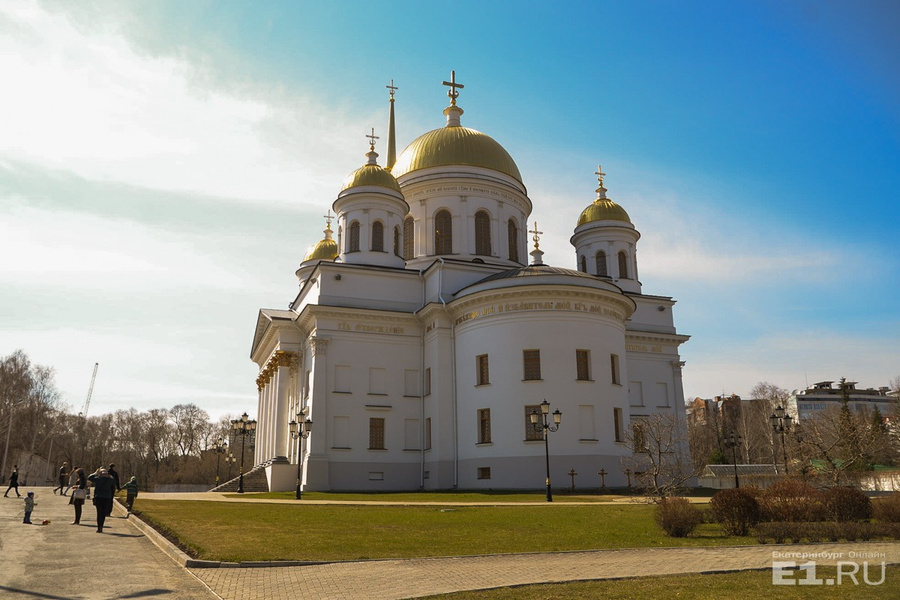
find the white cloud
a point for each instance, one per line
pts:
(89, 103)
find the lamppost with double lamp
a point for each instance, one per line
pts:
(733, 441)
(243, 428)
(230, 459)
(542, 419)
(220, 446)
(300, 430)
(781, 422)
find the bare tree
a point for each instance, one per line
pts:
(190, 422)
(660, 460)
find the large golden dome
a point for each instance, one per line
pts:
(455, 145)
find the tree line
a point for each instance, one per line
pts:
(159, 446)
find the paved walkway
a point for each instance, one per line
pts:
(65, 561)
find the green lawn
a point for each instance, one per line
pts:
(486, 497)
(746, 585)
(271, 531)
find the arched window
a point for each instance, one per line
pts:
(482, 233)
(396, 241)
(377, 237)
(601, 264)
(443, 233)
(353, 240)
(513, 235)
(583, 265)
(408, 237)
(623, 265)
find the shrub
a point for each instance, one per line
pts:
(677, 516)
(736, 510)
(887, 509)
(791, 500)
(777, 531)
(847, 504)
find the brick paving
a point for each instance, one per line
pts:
(397, 579)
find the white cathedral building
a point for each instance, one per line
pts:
(422, 336)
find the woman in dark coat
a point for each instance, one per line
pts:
(79, 493)
(104, 491)
(14, 481)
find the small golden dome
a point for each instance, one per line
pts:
(602, 209)
(370, 175)
(326, 249)
(455, 145)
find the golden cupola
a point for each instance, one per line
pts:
(325, 249)
(602, 209)
(454, 144)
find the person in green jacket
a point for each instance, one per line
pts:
(131, 491)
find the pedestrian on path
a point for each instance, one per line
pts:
(29, 507)
(131, 491)
(13, 482)
(79, 494)
(63, 475)
(104, 491)
(115, 475)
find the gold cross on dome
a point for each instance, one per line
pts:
(452, 93)
(372, 137)
(537, 235)
(328, 217)
(600, 174)
(393, 88)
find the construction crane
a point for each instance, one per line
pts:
(87, 401)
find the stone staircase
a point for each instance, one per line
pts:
(255, 480)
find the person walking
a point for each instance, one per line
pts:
(63, 476)
(79, 493)
(104, 491)
(131, 492)
(13, 482)
(29, 507)
(115, 475)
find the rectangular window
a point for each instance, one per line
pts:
(428, 381)
(638, 435)
(618, 423)
(376, 475)
(532, 364)
(484, 373)
(583, 365)
(411, 434)
(411, 383)
(662, 394)
(376, 434)
(428, 433)
(484, 472)
(341, 433)
(377, 381)
(533, 431)
(342, 378)
(614, 368)
(586, 422)
(484, 426)
(636, 393)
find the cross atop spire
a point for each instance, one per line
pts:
(393, 88)
(452, 93)
(372, 137)
(536, 236)
(601, 191)
(328, 217)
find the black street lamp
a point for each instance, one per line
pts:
(542, 419)
(781, 422)
(733, 442)
(220, 446)
(243, 428)
(300, 430)
(230, 459)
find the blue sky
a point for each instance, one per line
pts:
(165, 165)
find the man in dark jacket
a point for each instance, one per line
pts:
(115, 475)
(13, 482)
(104, 491)
(63, 476)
